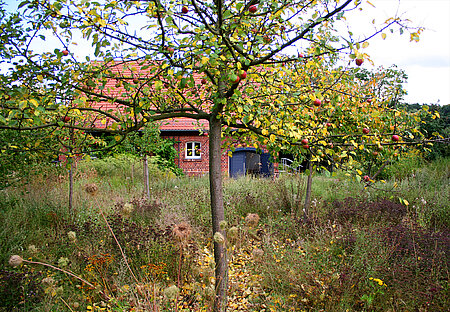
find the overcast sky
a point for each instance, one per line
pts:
(427, 62)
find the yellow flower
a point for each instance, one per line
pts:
(380, 282)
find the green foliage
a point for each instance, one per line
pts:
(146, 142)
(23, 155)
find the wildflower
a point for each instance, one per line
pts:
(219, 238)
(252, 219)
(171, 292)
(181, 231)
(377, 280)
(91, 189)
(72, 236)
(15, 260)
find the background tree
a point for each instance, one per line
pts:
(147, 56)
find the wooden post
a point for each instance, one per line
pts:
(146, 178)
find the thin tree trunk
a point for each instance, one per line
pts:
(146, 179)
(132, 172)
(308, 192)
(71, 212)
(218, 213)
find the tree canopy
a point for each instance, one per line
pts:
(285, 71)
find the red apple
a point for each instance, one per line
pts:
(375, 153)
(184, 10)
(203, 81)
(301, 55)
(366, 178)
(306, 146)
(317, 102)
(395, 138)
(304, 141)
(365, 130)
(253, 9)
(369, 100)
(234, 79)
(65, 118)
(359, 61)
(65, 52)
(329, 125)
(243, 75)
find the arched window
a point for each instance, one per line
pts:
(193, 150)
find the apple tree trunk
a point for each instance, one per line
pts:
(308, 191)
(217, 213)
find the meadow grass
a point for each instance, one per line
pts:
(361, 249)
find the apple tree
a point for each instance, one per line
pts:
(113, 66)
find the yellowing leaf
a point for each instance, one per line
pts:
(272, 138)
(383, 35)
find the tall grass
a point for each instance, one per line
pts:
(362, 249)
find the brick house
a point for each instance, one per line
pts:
(190, 136)
(191, 142)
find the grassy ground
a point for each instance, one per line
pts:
(361, 249)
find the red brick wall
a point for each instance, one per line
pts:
(196, 167)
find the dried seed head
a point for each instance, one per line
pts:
(218, 238)
(15, 260)
(127, 209)
(171, 292)
(48, 280)
(258, 254)
(32, 249)
(181, 231)
(91, 189)
(223, 225)
(72, 235)
(252, 219)
(233, 232)
(63, 261)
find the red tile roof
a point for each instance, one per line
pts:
(184, 124)
(129, 72)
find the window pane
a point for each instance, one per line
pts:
(197, 149)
